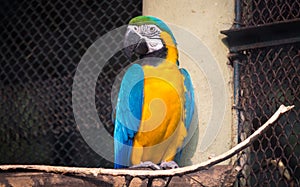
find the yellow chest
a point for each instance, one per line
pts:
(163, 94)
(161, 130)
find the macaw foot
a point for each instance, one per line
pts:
(169, 165)
(147, 164)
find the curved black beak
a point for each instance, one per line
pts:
(134, 44)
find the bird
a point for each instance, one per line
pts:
(155, 102)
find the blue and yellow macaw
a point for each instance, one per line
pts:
(156, 99)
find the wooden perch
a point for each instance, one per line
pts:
(87, 172)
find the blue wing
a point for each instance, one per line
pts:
(189, 104)
(128, 114)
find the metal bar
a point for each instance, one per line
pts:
(235, 63)
(263, 35)
(235, 60)
(238, 14)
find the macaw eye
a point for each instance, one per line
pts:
(152, 29)
(135, 28)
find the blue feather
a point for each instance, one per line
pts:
(189, 98)
(189, 105)
(128, 114)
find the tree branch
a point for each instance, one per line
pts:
(80, 171)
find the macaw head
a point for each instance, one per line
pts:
(148, 36)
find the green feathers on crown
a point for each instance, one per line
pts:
(141, 20)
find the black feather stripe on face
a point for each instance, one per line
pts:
(154, 58)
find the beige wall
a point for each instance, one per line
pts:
(204, 19)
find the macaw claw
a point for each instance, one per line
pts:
(169, 165)
(147, 164)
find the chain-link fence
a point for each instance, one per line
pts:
(255, 12)
(270, 76)
(42, 43)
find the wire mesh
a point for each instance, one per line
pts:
(42, 43)
(269, 76)
(255, 12)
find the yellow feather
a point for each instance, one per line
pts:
(172, 55)
(162, 129)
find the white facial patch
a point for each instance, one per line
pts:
(151, 34)
(154, 44)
